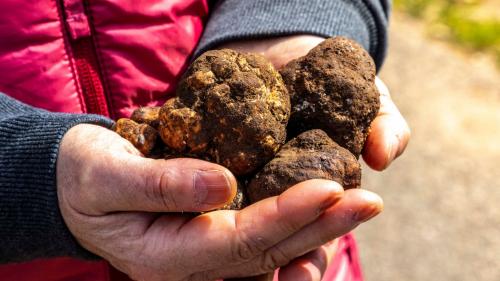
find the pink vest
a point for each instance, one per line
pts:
(105, 57)
(102, 57)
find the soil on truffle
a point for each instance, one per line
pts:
(333, 88)
(142, 136)
(147, 115)
(230, 108)
(311, 155)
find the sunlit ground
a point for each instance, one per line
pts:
(442, 215)
(473, 25)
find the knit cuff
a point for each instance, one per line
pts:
(361, 20)
(32, 225)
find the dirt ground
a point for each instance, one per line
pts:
(442, 197)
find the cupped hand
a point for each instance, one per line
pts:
(128, 210)
(388, 138)
(389, 133)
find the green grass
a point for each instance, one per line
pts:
(461, 27)
(416, 8)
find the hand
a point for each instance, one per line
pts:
(389, 133)
(119, 205)
(387, 140)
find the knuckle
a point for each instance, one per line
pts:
(274, 258)
(85, 182)
(199, 276)
(247, 246)
(287, 224)
(160, 191)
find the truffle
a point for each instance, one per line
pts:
(333, 88)
(230, 108)
(310, 155)
(142, 136)
(147, 115)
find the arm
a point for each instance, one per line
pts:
(362, 20)
(29, 216)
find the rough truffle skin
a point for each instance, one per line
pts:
(310, 155)
(142, 136)
(230, 108)
(333, 88)
(147, 115)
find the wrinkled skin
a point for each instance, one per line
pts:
(130, 210)
(311, 155)
(333, 88)
(230, 108)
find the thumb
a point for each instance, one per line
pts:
(175, 185)
(389, 133)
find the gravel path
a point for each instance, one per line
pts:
(442, 197)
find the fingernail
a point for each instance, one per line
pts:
(393, 147)
(212, 187)
(326, 204)
(366, 213)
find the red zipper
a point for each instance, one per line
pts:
(85, 57)
(90, 79)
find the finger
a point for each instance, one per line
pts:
(355, 207)
(139, 184)
(311, 266)
(263, 277)
(236, 237)
(389, 133)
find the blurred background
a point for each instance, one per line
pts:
(442, 197)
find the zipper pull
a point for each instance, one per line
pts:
(76, 19)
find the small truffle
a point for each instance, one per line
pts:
(239, 201)
(311, 155)
(333, 88)
(142, 136)
(230, 108)
(147, 115)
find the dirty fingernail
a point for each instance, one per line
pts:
(212, 187)
(366, 213)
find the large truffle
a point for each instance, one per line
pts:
(311, 155)
(230, 108)
(333, 88)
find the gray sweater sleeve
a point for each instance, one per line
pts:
(31, 225)
(365, 21)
